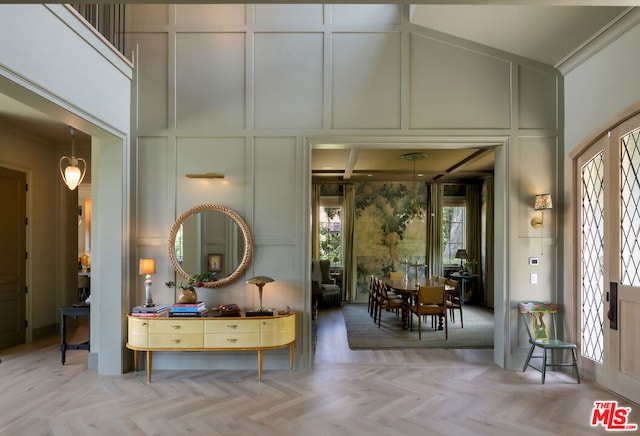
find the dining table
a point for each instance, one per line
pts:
(407, 289)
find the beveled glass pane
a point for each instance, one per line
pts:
(629, 209)
(592, 259)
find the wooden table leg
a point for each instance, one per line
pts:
(291, 355)
(149, 364)
(135, 360)
(260, 366)
(406, 310)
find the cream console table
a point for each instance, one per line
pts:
(211, 334)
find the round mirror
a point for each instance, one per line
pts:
(210, 238)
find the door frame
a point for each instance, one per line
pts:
(504, 318)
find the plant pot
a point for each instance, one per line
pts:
(188, 296)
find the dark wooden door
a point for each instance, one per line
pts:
(12, 257)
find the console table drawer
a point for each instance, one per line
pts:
(138, 332)
(238, 340)
(171, 325)
(241, 325)
(175, 340)
(277, 331)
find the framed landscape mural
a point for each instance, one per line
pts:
(385, 231)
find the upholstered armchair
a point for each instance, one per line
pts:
(323, 287)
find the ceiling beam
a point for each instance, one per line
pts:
(466, 161)
(351, 163)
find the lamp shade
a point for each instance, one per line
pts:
(147, 266)
(72, 177)
(72, 174)
(259, 280)
(543, 201)
(461, 254)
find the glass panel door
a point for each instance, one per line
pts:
(608, 273)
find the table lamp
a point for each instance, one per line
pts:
(148, 267)
(260, 281)
(461, 254)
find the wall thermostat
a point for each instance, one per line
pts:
(533, 261)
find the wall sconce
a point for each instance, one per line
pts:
(461, 254)
(543, 201)
(259, 281)
(148, 267)
(72, 175)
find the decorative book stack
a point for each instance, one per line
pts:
(197, 309)
(150, 312)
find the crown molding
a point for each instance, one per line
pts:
(626, 21)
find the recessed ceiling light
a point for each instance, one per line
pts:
(327, 168)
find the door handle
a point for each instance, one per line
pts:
(612, 313)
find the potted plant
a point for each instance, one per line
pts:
(470, 265)
(188, 292)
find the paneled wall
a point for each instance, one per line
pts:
(245, 89)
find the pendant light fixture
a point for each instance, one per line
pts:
(415, 209)
(72, 174)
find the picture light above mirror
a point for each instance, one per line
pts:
(210, 238)
(205, 176)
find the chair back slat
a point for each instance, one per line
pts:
(536, 315)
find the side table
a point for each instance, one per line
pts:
(75, 311)
(467, 282)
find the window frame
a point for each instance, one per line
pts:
(459, 202)
(332, 202)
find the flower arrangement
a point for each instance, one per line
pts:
(470, 264)
(195, 281)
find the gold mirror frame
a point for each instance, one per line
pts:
(248, 243)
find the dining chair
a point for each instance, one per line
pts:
(540, 322)
(372, 295)
(388, 302)
(454, 300)
(377, 297)
(431, 300)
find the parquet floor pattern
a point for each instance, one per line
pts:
(393, 392)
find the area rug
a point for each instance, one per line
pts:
(364, 334)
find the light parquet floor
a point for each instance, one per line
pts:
(393, 392)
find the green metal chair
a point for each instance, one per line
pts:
(536, 315)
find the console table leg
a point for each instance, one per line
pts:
(135, 360)
(260, 366)
(291, 355)
(149, 363)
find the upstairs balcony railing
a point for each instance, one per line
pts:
(107, 19)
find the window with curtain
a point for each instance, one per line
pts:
(330, 219)
(454, 223)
